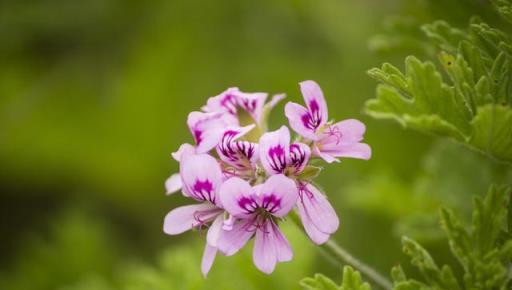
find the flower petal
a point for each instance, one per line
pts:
(252, 103)
(207, 129)
(283, 249)
(238, 197)
(275, 150)
(318, 209)
(185, 149)
(173, 184)
(298, 117)
(184, 218)
(264, 253)
(325, 155)
(240, 154)
(232, 241)
(312, 231)
(275, 100)
(315, 101)
(208, 259)
(224, 102)
(352, 130)
(278, 195)
(214, 231)
(299, 155)
(356, 150)
(201, 176)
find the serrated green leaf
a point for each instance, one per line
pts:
(492, 131)
(444, 35)
(319, 282)
(484, 253)
(351, 281)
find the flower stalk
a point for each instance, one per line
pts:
(344, 257)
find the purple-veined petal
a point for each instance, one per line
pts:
(232, 241)
(207, 129)
(299, 155)
(264, 252)
(208, 259)
(315, 101)
(225, 102)
(173, 184)
(318, 209)
(185, 149)
(283, 249)
(278, 195)
(298, 117)
(238, 197)
(237, 153)
(275, 150)
(214, 231)
(201, 177)
(252, 103)
(184, 218)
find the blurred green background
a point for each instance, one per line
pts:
(94, 97)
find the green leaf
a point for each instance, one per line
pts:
(472, 106)
(319, 282)
(351, 281)
(492, 131)
(504, 7)
(484, 252)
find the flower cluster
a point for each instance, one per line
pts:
(246, 180)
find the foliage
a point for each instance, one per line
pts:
(468, 101)
(484, 252)
(351, 281)
(447, 176)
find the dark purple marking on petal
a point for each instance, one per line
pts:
(304, 192)
(229, 103)
(203, 190)
(297, 156)
(271, 203)
(313, 118)
(236, 153)
(249, 205)
(249, 105)
(277, 158)
(198, 136)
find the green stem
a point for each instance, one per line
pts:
(343, 256)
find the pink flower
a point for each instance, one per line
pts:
(232, 99)
(278, 156)
(330, 141)
(201, 178)
(239, 155)
(244, 189)
(257, 210)
(207, 129)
